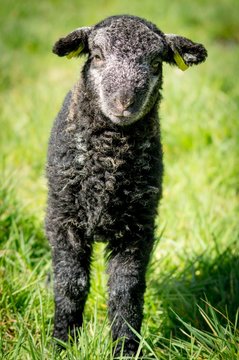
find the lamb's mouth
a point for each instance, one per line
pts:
(124, 118)
(123, 114)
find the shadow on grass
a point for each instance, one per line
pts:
(204, 283)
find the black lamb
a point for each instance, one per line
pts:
(105, 166)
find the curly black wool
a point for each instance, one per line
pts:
(105, 168)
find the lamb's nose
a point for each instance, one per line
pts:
(123, 100)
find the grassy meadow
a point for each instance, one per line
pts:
(192, 299)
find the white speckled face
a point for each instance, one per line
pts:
(123, 73)
(126, 70)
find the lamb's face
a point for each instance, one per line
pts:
(125, 69)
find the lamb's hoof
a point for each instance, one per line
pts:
(128, 349)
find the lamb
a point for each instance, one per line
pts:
(105, 167)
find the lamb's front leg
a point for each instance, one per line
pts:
(71, 266)
(126, 284)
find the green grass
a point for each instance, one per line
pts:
(191, 303)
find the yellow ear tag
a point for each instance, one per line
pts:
(76, 52)
(180, 62)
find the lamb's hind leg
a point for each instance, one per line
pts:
(71, 266)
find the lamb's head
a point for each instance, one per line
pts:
(124, 67)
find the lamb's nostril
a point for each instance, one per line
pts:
(123, 102)
(127, 102)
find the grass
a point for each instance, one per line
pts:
(191, 303)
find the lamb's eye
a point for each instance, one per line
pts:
(155, 65)
(97, 58)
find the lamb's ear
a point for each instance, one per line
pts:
(184, 52)
(73, 44)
